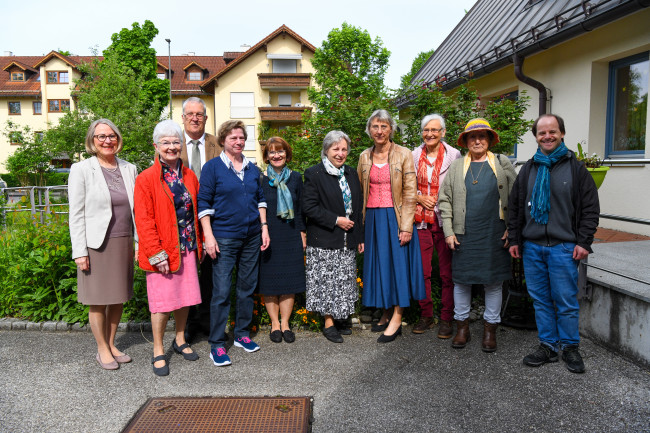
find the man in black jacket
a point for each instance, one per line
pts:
(553, 215)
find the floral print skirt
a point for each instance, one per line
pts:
(331, 282)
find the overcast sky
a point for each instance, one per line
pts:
(32, 28)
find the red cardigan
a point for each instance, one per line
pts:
(155, 216)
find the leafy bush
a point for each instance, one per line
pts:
(37, 277)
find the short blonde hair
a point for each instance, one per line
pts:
(90, 135)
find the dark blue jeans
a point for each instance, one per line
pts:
(243, 253)
(552, 281)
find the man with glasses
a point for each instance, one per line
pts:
(553, 215)
(198, 148)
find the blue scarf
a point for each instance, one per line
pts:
(541, 198)
(279, 181)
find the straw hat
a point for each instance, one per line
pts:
(475, 125)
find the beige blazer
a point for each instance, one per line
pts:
(212, 149)
(90, 203)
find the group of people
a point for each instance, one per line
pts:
(204, 215)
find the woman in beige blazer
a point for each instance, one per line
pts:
(100, 192)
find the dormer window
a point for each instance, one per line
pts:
(162, 75)
(195, 76)
(17, 76)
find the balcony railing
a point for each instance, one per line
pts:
(284, 114)
(284, 81)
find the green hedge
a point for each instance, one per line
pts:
(50, 179)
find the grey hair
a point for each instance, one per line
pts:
(197, 100)
(90, 135)
(167, 128)
(331, 139)
(429, 117)
(382, 116)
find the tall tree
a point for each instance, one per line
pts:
(132, 48)
(349, 64)
(418, 62)
(122, 87)
(350, 68)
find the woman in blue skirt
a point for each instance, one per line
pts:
(392, 270)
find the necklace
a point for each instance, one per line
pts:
(475, 179)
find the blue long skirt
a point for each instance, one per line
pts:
(392, 274)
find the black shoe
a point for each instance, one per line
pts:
(383, 338)
(160, 371)
(332, 334)
(289, 336)
(343, 326)
(541, 356)
(192, 356)
(573, 360)
(276, 336)
(376, 327)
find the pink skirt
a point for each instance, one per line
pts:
(171, 292)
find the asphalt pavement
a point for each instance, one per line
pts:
(418, 383)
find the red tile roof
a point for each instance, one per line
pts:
(208, 84)
(30, 87)
(213, 67)
(180, 86)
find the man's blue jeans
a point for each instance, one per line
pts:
(552, 281)
(243, 253)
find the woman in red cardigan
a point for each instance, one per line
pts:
(171, 241)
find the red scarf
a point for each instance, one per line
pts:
(422, 214)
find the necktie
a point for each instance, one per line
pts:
(196, 158)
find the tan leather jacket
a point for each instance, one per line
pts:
(403, 183)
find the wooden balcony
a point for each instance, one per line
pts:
(282, 114)
(284, 81)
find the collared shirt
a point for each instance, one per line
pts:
(240, 174)
(190, 149)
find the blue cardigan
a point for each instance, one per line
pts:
(232, 204)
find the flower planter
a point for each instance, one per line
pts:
(598, 174)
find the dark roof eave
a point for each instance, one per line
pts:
(575, 30)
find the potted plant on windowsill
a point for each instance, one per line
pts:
(594, 165)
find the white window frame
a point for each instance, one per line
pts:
(250, 140)
(282, 99)
(284, 66)
(242, 105)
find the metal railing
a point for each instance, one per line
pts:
(38, 197)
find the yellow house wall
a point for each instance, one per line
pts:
(27, 116)
(577, 73)
(243, 78)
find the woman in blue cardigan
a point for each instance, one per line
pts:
(232, 210)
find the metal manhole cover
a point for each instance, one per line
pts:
(227, 415)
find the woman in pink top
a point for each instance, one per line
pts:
(392, 270)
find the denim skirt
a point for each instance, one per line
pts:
(392, 273)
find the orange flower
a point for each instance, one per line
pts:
(255, 312)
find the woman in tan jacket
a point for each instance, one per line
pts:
(392, 271)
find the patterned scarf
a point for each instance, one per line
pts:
(343, 184)
(422, 214)
(541, 198)
(279, 181)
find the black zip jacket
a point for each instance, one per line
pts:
(584, 196)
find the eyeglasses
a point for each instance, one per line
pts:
(383, 127)
(199, 116)
(104, 137)
(277, 152)
(433, 130)
(176, 143)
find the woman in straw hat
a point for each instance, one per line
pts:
(473, 205)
